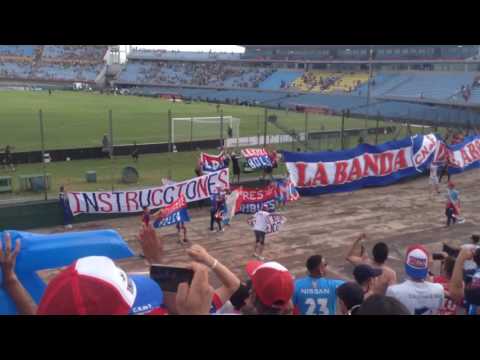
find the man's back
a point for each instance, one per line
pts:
(420, 298)
(386, 279)
(316, 296)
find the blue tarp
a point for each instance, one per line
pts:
(40, 252)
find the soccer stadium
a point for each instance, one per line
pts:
(285, 179)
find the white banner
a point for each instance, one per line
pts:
(132, 201)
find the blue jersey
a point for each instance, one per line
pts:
(316, 296)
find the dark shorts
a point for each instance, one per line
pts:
(259, 237)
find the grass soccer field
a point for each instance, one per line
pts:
(79, 119)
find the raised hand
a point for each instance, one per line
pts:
(195, 299)
(152, 245)
(9, 258)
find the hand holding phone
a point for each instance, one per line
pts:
(195, 299)
(168, 277)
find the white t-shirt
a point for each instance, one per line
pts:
(227, 309)
(420, 298)
(433, 171)
(469, 264)
(261, 221)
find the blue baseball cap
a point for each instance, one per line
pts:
(149, 295)
(416, 262)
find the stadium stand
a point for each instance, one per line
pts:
(280, 79)
(65, 63)
(182, 56)
(17, 50)
(316, 81)
(14, 70)
(432, 85)
(349, 82)
(191, 74)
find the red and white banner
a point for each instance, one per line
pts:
(131, 201)
(250, 201)
(212, 163)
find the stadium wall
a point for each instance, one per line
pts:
(121, 150)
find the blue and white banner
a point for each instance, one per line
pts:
(257, 158)
(180, 216)
(172, 214)
(368, 165)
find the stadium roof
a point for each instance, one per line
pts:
(342, 46)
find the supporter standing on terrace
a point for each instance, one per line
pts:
(350, 297)
(260, 230)
(357, 255)
(449, 306)
(236, 166)
(452, 210)
(271, 291)
(458, 289)
(315, 294)
(230, 281)
(419, 296)
(366, 276)
(434, 177)
(470, 266)
(146, 216)
(65, 205)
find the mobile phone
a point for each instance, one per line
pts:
(438, 256)
(451, 251)
(168, 277)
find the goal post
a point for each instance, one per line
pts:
(204, 127)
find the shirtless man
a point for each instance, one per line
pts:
(357, 255)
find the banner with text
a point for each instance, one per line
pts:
(274, 222)
(174, 213)
(212, 163)
(257, 158)
(365, 165)
(131, 201)
(250, 201)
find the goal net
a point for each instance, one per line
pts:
(206, 128)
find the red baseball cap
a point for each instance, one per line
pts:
(272, 283)
(94, 285)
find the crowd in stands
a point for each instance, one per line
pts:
(181, 55)
(94, 285)
(318, 81)
(87, 53)
(193, 74)
(52, 62)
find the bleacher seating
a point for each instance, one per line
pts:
(13, 70)
(432, 85)
(401, 110)
(279, 78)
(17, 50)
(475, 96)
(191, 74)
(90, 53)
(349, 82)
(183, 55)
(52, 62)
(316, 80)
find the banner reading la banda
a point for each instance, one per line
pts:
(108, 202)
(368, 165)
